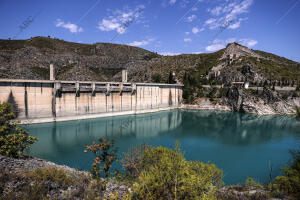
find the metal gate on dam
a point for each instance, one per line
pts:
(38, 101)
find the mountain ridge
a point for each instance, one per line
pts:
(29, 59)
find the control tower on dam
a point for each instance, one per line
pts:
(39, 101)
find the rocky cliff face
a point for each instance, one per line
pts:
(239, 51)
(259, 102)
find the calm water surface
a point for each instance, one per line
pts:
(242, 145)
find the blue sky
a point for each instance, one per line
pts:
(164, 26)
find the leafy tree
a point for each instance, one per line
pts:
(13, 139)
(188, 89)
(105, 153)
(156, 78)
(171, 79)
(166, 174)
(289, 183)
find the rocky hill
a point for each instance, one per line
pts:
(29, 59)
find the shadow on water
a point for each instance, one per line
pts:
(240, 144)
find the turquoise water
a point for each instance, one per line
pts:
(242, 145)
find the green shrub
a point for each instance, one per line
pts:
(52, 174)
(295, 94)
(289, 183)
(251, 183)
(166, 174)
(42, 180)
(105, 153)
(156, 78)
(212, 94)
(132, 161)
(13, 139)
(222, 92)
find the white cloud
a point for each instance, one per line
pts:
(187, 33)
(73, 28)
(194, 9)
(216, 11)
(230, 40)
(210, 21)
(195, 30)
(172, 2)
(120, 20)
(248, 42)
(167, 53)
(112, 24)
(141, 43)
(187, 39)
(197, 52)
(235, 25)
(214, 47)
(228, 14)
(191, 18)
(175, 54)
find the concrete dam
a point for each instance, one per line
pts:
(39, 101)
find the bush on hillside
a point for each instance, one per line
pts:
(166, 174)
(13, 139)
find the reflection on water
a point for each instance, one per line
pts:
(237, 128)
(240, 144)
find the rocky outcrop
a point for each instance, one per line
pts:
(258, 102)
(238, 50)
(206, 104)
(235, 99)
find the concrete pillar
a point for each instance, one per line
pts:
(52, 75)
(77, 89)
(133, 86)
(93, 88)
(107, 89)
(121, 88)
(124, 75)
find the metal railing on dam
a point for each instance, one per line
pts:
(38, 101)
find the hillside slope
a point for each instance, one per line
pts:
(29, 59)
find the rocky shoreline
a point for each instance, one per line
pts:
(263, 102)
(14, 178)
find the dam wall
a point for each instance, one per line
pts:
(36, 101)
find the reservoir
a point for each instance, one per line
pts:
(242, 145)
